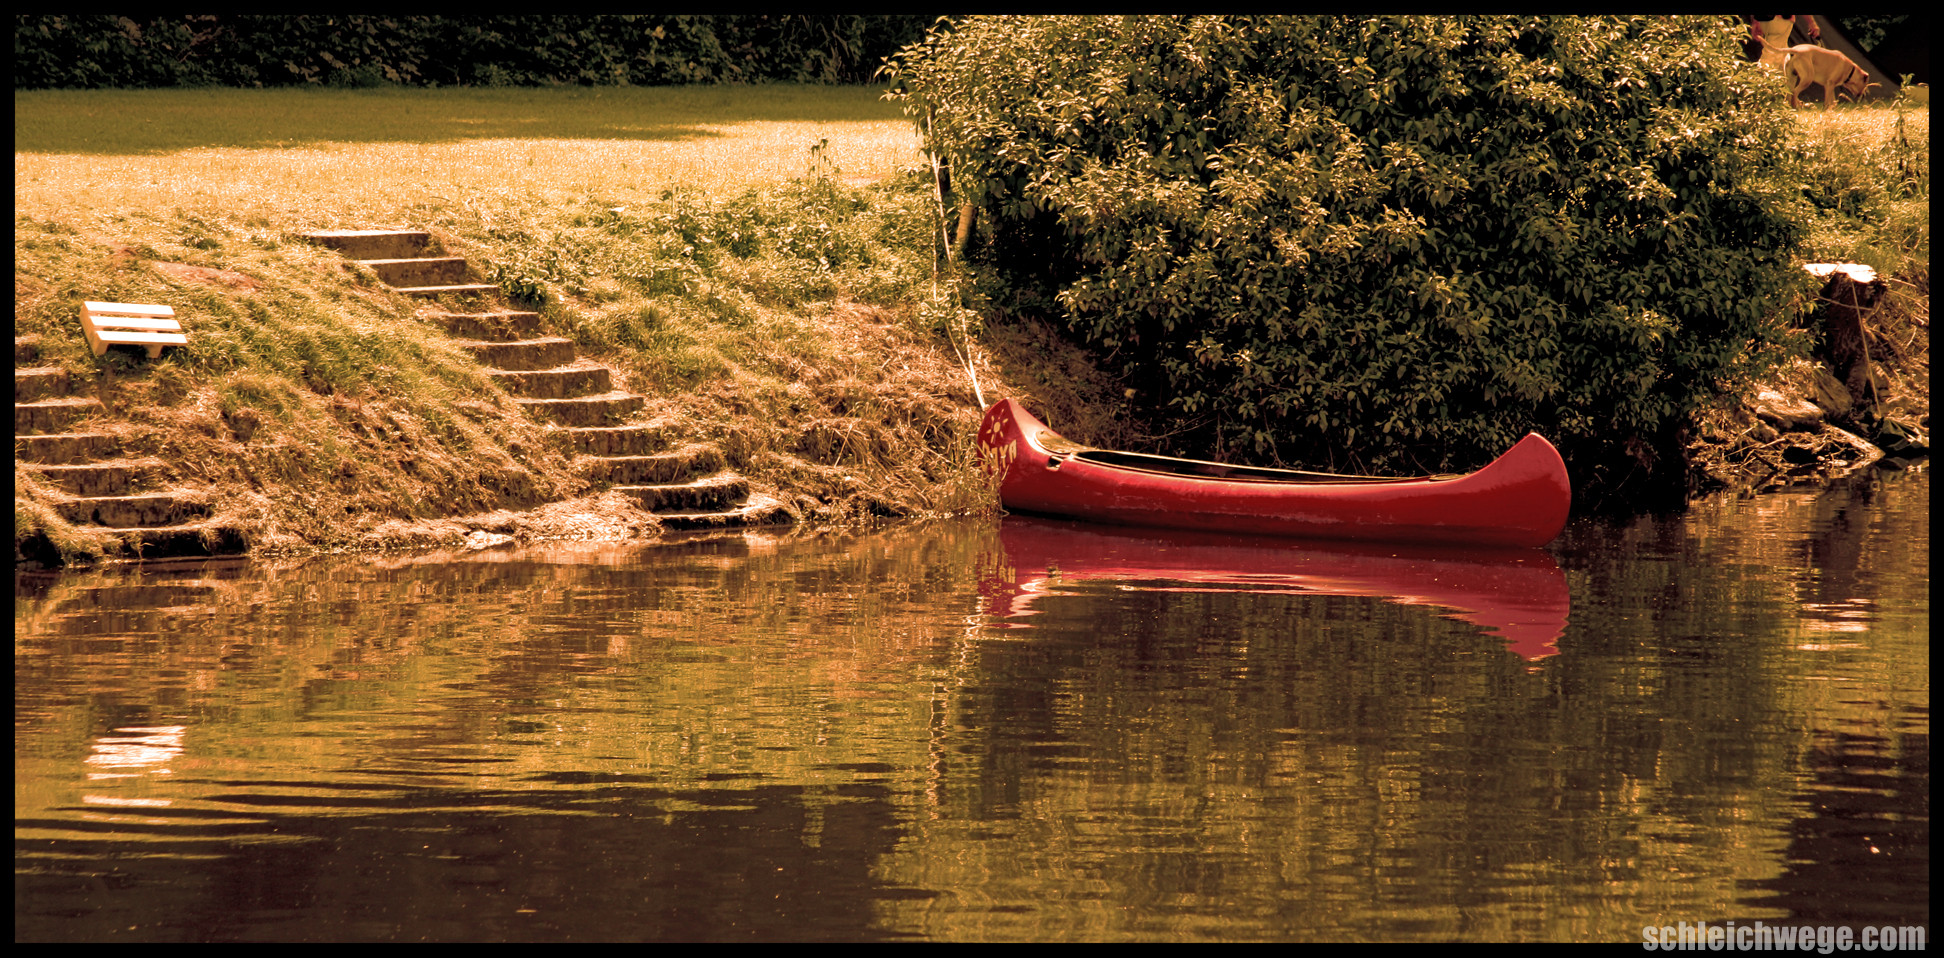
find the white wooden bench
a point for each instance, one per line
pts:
(131, 324)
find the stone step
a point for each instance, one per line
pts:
(43, 382)
(373, 244)
(113, 478)
(601, 410)
(640, 439)
(710, 494)
(53, 415)
(460, 289)
(498, 326)
(668, 467)
(195, 540)
(561, 383)
(757, 510)
(419, 271)
(189, 539)
(123, 512)
(67, 447)
(548, 352)
(27, 350)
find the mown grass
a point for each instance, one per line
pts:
(326, 157)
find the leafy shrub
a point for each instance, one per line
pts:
(1412, 237)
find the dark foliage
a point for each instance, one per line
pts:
(97, 50)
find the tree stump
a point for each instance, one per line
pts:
(1851, 291)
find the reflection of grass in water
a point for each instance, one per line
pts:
(366, 158)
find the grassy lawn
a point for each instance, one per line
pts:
(308, 158)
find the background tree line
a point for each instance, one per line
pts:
(252, 50)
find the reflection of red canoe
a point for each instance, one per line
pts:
(1520, 499)
(1520, 594)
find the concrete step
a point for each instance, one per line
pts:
(419, 271)
(112, 478)
(499, 326)
(373, 244)
(548, 352)
(123, 512)
(53, 415)
(66, 447)
(756, 510)
(667, 467)
(459, 289)
(602, 410)
(502, 325)
(566, 381)
(639, 439)
(27, 350)
(710, 494)
(43, 382)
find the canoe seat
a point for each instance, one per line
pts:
(131, 324)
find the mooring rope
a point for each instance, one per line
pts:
(945, 243)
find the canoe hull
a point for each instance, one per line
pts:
(1521, 499)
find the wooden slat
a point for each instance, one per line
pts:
(128, 309)
(167, 339)
(112, 322)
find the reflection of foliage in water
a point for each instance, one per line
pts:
(1139, 764)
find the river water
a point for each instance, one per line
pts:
(993, 730)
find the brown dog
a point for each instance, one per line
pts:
(1806, 64)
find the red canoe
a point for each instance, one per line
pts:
(1520, 499)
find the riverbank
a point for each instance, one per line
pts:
(759, 285)
(316, 408)
(1857, 395)
(787, 322)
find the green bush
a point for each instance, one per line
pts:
(1382, 243)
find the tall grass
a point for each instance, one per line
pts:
(1866, 169)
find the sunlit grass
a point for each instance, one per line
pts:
(1867, 169)
(318, 158)
(748, 259)
(1874, 122)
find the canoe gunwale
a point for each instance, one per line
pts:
(1064, 450)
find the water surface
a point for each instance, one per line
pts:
(980, 730)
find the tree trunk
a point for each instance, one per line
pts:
(1850, 294)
